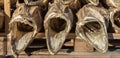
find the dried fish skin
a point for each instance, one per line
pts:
(57, 23)
(91, 27)
(73, 4)
(112, 3)
(115, 19)
(24, 25)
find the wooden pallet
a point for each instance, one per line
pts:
(2, 43)
(73, 47)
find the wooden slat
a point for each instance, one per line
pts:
(5, 46)
(7, 7)
(42, 35)
(73, 35)
(113, 36)
(1, 45)
(76, 55)
(7, 11)
(2, 34)
(82, 46)
(42, 42)
(45, 52)
(79, 45)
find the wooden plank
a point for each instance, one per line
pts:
(44, 52)
(2, 56)
(7, 13)
(113, 36)
(7, 19)
(2, 34)
(5, 46)
(37, 43)
(7, 7)
(73, 35)
(82, 46)
(79, 45)
(76, 55)
(1, 45)
(1, 48)
(42, 35)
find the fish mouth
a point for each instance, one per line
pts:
(94, 32)
(57, 24)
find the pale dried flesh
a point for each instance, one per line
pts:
(57, 25)
(25, 23)
(115, 19)
(91, 27)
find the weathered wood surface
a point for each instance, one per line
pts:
(84, 48)
(114, 54)
(73, 35)
(83, 44)
(77, 54)
(1, 19)
(2, 2)
(7, 12)
(2, 46)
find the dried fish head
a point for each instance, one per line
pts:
(91, 27)
(57, 23)
(25, 23)
(115, 19)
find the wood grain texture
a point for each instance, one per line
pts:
(1, 19)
